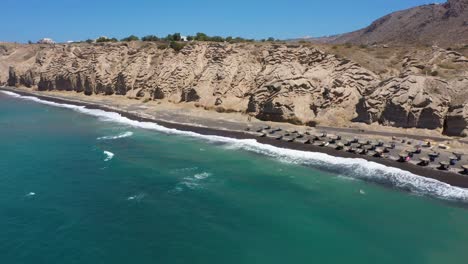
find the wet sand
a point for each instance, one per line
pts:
(234, 127)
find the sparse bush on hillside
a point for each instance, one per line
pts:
(105, 39)
(177, 46)
(201, 37)
(177, 37)
(217, 39)
(348, 45)
(150, 38)
(173, 37)
(131, 38)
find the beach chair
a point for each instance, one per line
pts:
(417, 150)
(453, 160)
(378, 153)
(352, 150)
(423, 162)
(363, 151)
(402, 157)
(323, 144)
(339, 146)
(433, 156)
(302, 140)
(465, 169)
(444, 165)
(458, 155)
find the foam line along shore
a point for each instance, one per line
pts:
(384, 171)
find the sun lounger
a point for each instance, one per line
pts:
(453, 160)
(444, 165)
(403, 157)
(458, 155)
(433, 156)
(465, 169)
(423, 162)
(302, 140)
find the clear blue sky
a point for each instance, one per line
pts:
(64, 20)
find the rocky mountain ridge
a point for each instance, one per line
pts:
(434, 24)
(280, 82)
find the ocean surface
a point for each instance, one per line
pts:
(86, 186)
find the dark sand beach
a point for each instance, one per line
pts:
(452, 177)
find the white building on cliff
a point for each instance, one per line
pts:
(46, 41)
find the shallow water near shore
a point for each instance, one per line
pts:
(77, 188)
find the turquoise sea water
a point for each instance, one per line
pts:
(165, 197)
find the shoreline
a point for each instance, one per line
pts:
(448, 177)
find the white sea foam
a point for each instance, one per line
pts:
(137, 197)
(109, 155)
(11, 94)
(350, 167)
(31, 194)
(201, 176)
(121, 135)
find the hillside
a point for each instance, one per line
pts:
(435, 24)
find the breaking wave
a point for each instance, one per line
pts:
(349, 167)
(109, 155)
(122, 135)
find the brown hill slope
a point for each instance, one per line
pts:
(435, 24)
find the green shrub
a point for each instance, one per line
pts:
(105, 39)
(150, 38)
(173, 37)
(177, 46)
(131, 38)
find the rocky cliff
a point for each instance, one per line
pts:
(279, 82)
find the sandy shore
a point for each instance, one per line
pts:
(188, 118)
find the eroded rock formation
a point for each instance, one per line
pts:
(278, 82)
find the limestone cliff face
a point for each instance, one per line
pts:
(415, 99)
(278, 82)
